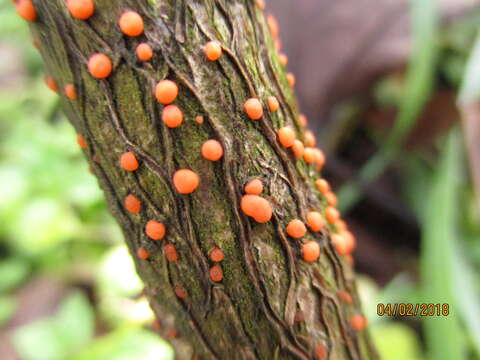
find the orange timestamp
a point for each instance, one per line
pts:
(410, 309)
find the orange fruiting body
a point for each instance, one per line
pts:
(166, 91)
(199, 119)
(286, 136)
(143, 254)
(213, 50)
(70, 91)
(310, 139)
(172, 116)
(321, 352)
(128, 161)
(51, 83)
(315, 221)
(256, 207)
(100, 66)
(170, 252)
(212, 150)
(144, 52)
(81, 141)
(260, 4)
(254, 187)
(131, 23)
(181, 294)
(310, 155)
(291, 79)
(273, 104)
(345, 297)
(302, 119)
(283, 59)
(340, 244)
(298, 149)
(350, 240)
(273, 25)
(319, 158)
(253, 108)
(26, 9)
(331, 198)
(81, 9)
(311, 251)
(132, 204)
(332, 215)
(358, 322)
(186, 181)
(296, 228)
(155, 230)
(217, 255)
(323, 186)
(216, 273)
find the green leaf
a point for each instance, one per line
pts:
(128, 343)
(75, 322)
(12, 272)
(443, 334)
(7, 308)
(395, 341)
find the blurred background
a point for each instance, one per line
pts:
(392, 90)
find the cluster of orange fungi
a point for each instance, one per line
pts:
(186, 181)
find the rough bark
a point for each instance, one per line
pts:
(271, 304)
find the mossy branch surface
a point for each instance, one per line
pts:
(271, 304)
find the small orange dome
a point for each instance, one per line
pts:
(212, 150)
(133, 204)
(298, 149)
(186, 181)
(253, 108)
(254, 187)
(315, 221)
(296, 229)
(131, 23)
(128, 161)
(217, 255)
(70, 91)
(273, 104)
(311, 251)
(143, 254)
(172, 116)
(216, 273)
(26, 9)
(256, 207)
(166, 91)
(155, 230)
(100, 66)
(286, 136)
(81, 9)
(170, 252)
(213, 50)
(144, 52)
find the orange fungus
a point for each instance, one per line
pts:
(254, 187)
(310, 139)
(302, 119)
(26, 9)
(273, 25)
(217, 255)
(143, 254)
(81, 141)
(283, 59)
(144, 52)
(213, 50)
(216, 273)
(291, 79)
(298, 149)
(131, 23)
(286, 136)
(51, 83)
(323, 186)
(128, 161)
(70, 91)
(186, 181)
(133, 204)
(321, 352)
(253, 108)
(331, 198)
(166, 91)
(81, 9)
(170, 252)
(212, 150)
(332, 214)
(310, 155)
(340, 244)
(311, 251)
(273, 104)
(315, 221)
(256, 207)
(199, 119)
(100, 66)
(296, 228)
(172, 116)
(155, 230)
(358, 322)
(345, 297)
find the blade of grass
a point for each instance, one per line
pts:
(442, 333)
(419, 82)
